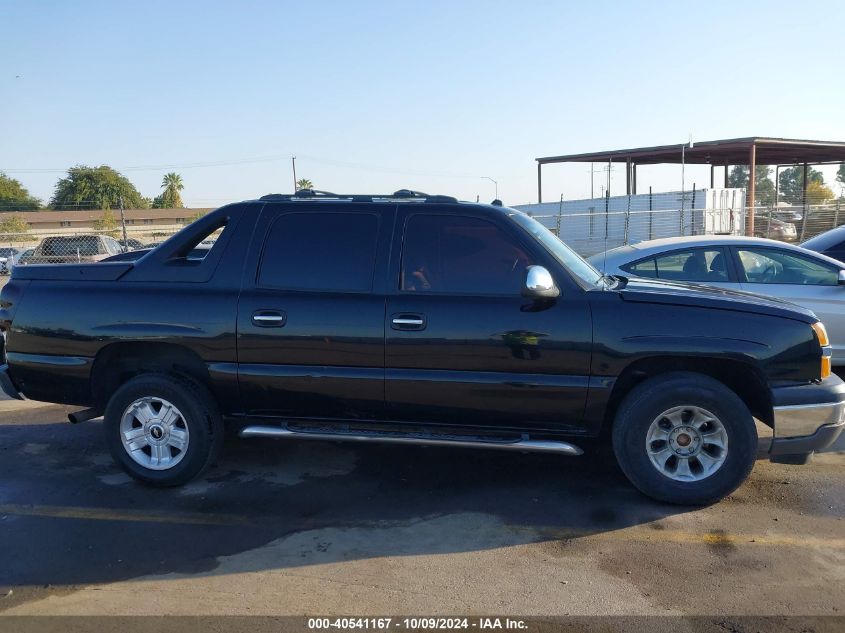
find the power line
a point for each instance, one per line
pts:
(253, 160)
(221, 163)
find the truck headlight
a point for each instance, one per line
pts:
(824, 341)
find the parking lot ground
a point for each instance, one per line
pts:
(331, 528)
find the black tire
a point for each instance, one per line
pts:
(199, 414)
(642, 406)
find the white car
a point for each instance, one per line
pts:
(7, 259)
(761, 266)
(22, 258)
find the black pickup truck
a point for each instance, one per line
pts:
(410, 318)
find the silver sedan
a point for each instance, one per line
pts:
(758, 265)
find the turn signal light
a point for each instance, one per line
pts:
(821, 333)
(825, 367)
(824, 341)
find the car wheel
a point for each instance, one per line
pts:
(684, 438)
(163, 430)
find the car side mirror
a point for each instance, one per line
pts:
(841, 279)
(539, 284)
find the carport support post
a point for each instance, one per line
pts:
(634, 171)
(712, 176)
(539, 182)
(804, 204)
(752, 194)
(628, 176)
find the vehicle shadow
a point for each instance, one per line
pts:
(68, 516)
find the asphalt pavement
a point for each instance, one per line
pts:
(284, 527)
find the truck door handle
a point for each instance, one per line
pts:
(269, 318)
(407, 321)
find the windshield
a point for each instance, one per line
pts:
(825, 240)
(571, 260)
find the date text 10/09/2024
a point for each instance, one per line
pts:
(416, 623)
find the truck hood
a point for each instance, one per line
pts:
(685, 294)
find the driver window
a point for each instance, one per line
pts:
(771, 266)
(461, 255)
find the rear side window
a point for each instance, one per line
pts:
(697, 264)
(644, 268)
(81, 245)
(320, 251)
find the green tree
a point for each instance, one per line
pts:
(13, 228)
(764, 187)
(304, 183)
(14, 196)
(840, 175)
(95, 188)
(196, 216)
(792, 183)
(107, 223)
(170, 198)
(817, 193)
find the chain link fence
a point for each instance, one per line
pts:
(597, 229)
(76, 246)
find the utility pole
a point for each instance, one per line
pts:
(123, 224)
(293, 165)
(607, 168)
(593, 171)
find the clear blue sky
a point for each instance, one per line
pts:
(375, 96)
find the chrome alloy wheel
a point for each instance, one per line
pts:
(687, 443)
(154, 433)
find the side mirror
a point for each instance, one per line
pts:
(841, 279)
(540, 285)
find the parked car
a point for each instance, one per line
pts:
(830, 243)
(22, 259)
(7, 256)
(775, 229)
(131, 244)
(757, 265)
(407, 318)
(75, 249)
(787, 212)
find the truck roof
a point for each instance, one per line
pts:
(402, 195)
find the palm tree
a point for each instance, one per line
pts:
(172, 181)
(304, 183)
(172, 185)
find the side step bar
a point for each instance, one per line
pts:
(536, 446)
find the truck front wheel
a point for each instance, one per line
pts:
(684, 438)
(163, 430)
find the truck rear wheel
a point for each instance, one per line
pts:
(684, 438)
(163, 430)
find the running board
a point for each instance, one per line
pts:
(535, 446)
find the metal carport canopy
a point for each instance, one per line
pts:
(751, 151)
(736, 151)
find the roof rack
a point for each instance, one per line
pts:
(402, 194)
